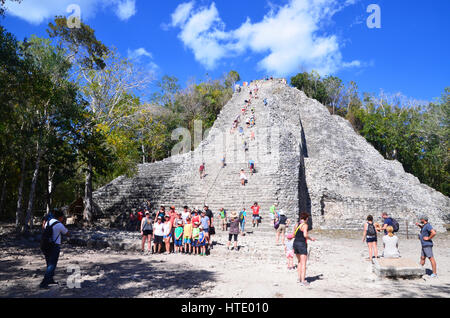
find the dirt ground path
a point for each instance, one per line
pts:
(336, 268)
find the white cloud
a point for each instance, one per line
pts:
(143, 58)
(289, 36)
(126, 9)
(182, 12)
(37, 12)
(136, 54)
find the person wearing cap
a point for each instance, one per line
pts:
(167, 233)
(282, 221)
(147, 232)
(178, 236)
(158, 235)
(206, 223)
(426, 235)
(234, 230)
(202, 241)
(177, 219)
(195, 237)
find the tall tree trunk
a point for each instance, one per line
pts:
(29, 215)
(19, 210)
(88, 205)
(143, 154)
(2, 198)
(50, 176)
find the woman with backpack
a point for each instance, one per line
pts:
(370, 236)
(234, 230)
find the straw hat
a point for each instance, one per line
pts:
(234, 214)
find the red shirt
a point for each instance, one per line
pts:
(140, 216)
(196, 219)
(255, 210)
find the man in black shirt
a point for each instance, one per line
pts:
(212, 229)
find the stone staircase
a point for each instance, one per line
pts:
(176, 181)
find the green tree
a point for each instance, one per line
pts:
(2, 6)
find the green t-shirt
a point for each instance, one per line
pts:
(222, 214)
(195, 233)
(178, 233)
(272, 209)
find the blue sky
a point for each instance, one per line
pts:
(410, 53)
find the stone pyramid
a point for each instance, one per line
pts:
(305, 160)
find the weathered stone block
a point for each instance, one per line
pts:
(397, 268)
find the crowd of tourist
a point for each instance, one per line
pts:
(188, 231)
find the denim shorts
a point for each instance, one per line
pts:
(179, 242)
(427, 251)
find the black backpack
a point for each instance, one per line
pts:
(371, 230)
(46, 240)
(395, 225)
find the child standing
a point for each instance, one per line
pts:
(187, 235)
(195, 237)
(179, 237)
(202, 242)
(289, 250)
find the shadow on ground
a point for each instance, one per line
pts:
(125, 278)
